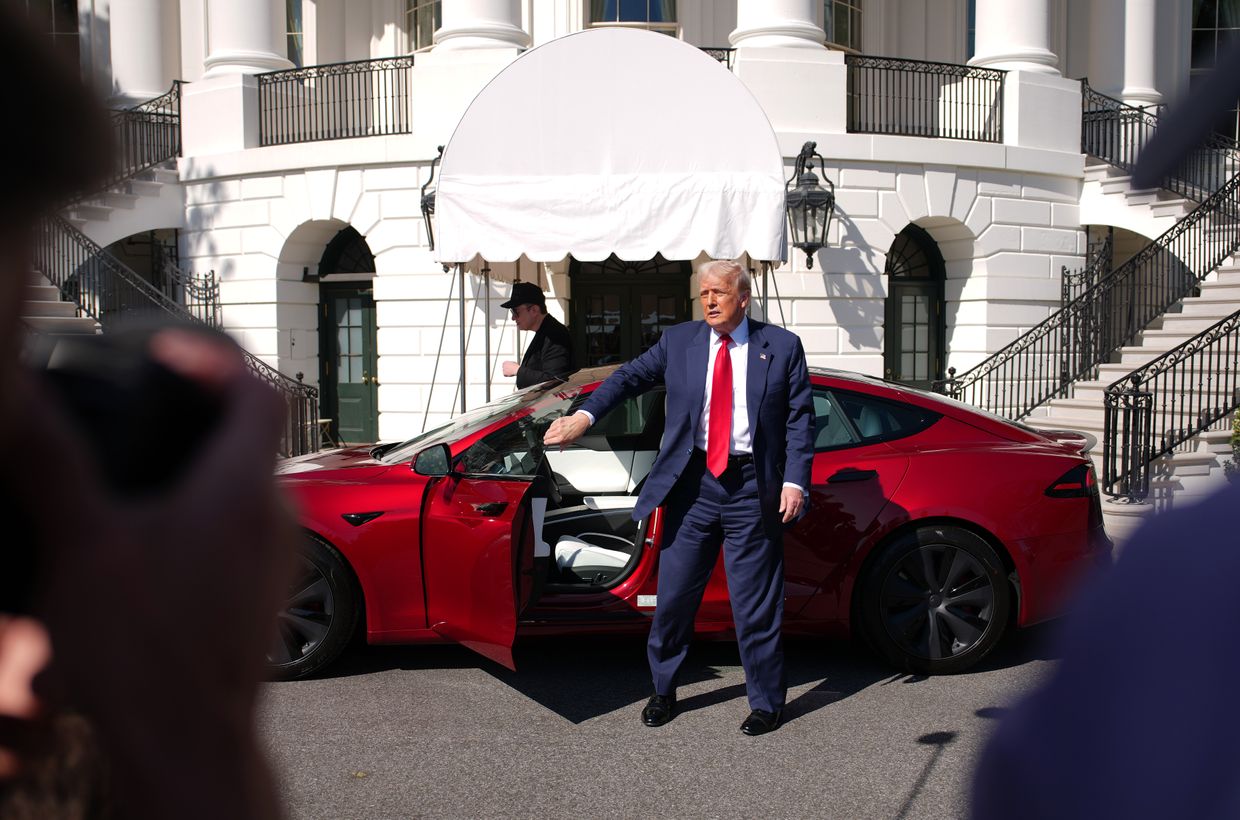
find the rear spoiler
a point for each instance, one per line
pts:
(1080, 441)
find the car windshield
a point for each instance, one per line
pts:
(541, 404)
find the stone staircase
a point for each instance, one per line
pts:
(44, 312)
(1196, 469)
(1108, 198)
(152, 199)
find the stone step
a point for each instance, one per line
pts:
(42, 292)
(1171, 208)
(141, 187)
(161, 174)
(91, 213)
(1082, 408)
(1188, 326)
(1228, 291)
(1164, 340)
(62, 324)
(1099, 170)
(1094, 394)
(43, 308)
(118, 199)
(1119, 183)
(1217, 441)
(1210, 307)
(1085, 420)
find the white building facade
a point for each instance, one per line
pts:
(302, 189)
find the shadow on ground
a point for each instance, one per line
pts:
(582, 678)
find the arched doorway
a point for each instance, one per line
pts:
(348, 355)
(620, 309)
(913, 330)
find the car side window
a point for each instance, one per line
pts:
(880, 420)
(831, 430)
(634, 424)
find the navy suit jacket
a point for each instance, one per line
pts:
(781, 417)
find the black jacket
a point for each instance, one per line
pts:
(549, 356)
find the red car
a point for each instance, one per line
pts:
(931, 528)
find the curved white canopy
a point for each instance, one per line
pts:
(611, 140)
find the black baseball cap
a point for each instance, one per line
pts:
(525, 293)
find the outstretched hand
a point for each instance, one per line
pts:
(565, 430)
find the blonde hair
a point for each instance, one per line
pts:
(729, 268)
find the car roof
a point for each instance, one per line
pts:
(945, 405)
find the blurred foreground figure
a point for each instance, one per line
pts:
(1139, 720)
(133, 630)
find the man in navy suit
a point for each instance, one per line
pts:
(734, 466)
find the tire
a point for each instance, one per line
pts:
(319, 616)
(935, 600)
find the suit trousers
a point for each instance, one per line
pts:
(703, 511)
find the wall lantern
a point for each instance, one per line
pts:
(810, 206)
(428, 201)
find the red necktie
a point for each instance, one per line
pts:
(719, 434)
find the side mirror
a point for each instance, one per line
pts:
(434, 461)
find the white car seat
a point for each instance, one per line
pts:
(576, 553)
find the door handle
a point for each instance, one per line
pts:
(491, 507)
(852, 474)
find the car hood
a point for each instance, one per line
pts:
(356, 461)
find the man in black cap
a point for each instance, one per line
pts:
(549, 355)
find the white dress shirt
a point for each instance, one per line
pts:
(738, 352)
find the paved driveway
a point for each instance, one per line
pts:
(439, 732)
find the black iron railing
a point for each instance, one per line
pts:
(912, 98)
(722, 55)
(1072, 342)
(107, 291)
(1115, 133)
(364, 98)
(197, 293)
(1099, 262)
(1159, 407)
(147, 135)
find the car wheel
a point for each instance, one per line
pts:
(319, 615)
(935, 600)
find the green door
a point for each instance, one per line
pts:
(620, 309)
(349, 363)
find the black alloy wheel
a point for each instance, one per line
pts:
(935, 600)
(319, 614)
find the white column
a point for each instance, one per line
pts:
(136, 31)
(1015, 35)
(778, 24)
(1140, 33)
(472, 24)
(245, 37)
(1106, 46)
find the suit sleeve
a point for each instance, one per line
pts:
(799, 449)
(632, 379)
(555, 362)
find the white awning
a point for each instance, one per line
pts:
(611, 140)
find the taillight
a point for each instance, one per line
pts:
(1078, 482)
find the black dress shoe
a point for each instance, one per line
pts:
(659, 710)
(760, 722)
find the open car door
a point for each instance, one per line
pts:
(478, 559)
